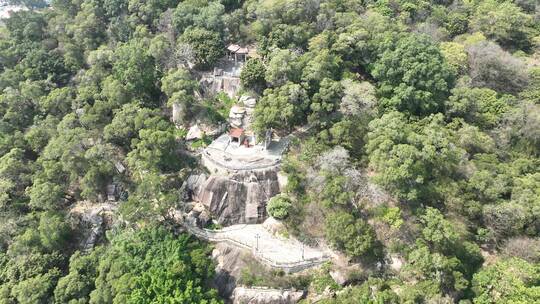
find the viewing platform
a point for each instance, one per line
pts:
(224, 157)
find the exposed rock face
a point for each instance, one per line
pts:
(241, 115)
(243, 295)
(92, 220)
(212, 85)
(238, 198)
(236, 116)
(229, 264)
(198, 130)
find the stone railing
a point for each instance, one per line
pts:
(208, 158)
(288, 267)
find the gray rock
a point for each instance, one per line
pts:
(194, 133)
(243, 295)
(236, 199)
(339, 276)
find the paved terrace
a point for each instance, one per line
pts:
(287, 254)
(232, 157)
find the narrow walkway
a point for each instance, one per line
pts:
(287, 254)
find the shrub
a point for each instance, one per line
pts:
(279, 206)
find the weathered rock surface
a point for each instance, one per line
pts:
(235, 199)
(236, 116)
(229, 263)
(92, 220)
(243, 295)
(194, 132)
(212, 85)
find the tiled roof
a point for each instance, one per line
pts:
(236, 132)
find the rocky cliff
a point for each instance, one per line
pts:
(237, 198)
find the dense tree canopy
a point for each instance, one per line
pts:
(414, 151)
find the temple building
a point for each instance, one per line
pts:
(239, 53)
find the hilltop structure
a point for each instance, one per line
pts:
(226, 74)
(244, 170)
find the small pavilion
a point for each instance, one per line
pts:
(236, 135)
(239, 53)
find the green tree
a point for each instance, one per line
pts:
(413, 76)
(207, 46)
(252, 75)
(504, 22)
(135, 70)
(76, 286)
(320, 65)
(54, 231)
(127, 123)
(151, 264)
(437, 230)
(454, 53)
(411, 158)
(204, 14)
(325, 103)
(281, 108)
(507, 281)
(154, 150)
(283, 66)
(352, 235)
(180, 87)
(479, 106)
(441, 273)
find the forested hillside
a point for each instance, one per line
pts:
(435, 103)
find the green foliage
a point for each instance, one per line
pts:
(437, 230)
(135, 70)
(279, 206)
(352, 235)
(323, 281)
(252, 75)
(204, 14)
(281, 108)
(482, 107)
(507, 281)
(413, 76)
(54, 232)
(409, 158)
(283, 66)
(392, 216)
(127, 123)
(325, 103)
(372, 291)
(454, 53)
(140, 267)
(504, 22)
(86, 88)
(155, 149)
(207, 46)
(441, 272)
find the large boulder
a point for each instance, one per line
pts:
(236, 116)
(238, 198)
(194, 132)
